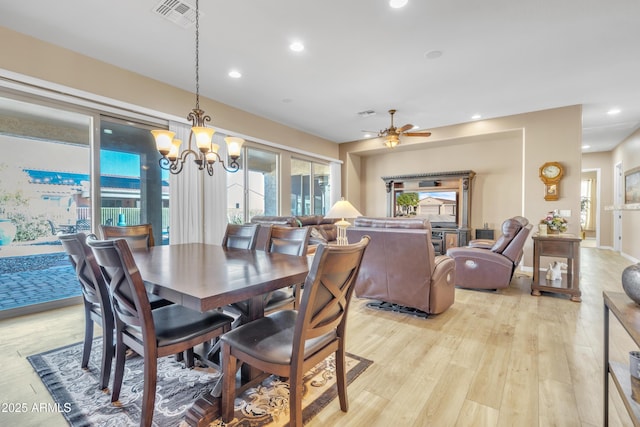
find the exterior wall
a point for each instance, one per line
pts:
(506, 153)
(35, 58)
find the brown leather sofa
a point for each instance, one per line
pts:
(400, 266)
(323, 230)
(487, 264)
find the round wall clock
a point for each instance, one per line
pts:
(550, 174)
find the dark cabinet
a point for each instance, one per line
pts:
(445, 238)
(485, 233)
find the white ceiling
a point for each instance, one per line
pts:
(499, 57)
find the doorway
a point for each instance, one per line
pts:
(590, 207)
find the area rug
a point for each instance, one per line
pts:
(76, 394)
(387, 306)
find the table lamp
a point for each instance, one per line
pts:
(342, 209)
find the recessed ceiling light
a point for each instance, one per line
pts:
(586, 147)
(396, 4)
(613, 111)
(415, 127)
(476, 116)
(433, 54)
(235, 74)
(367, 135)
(296, 46)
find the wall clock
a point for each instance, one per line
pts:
(550, 174)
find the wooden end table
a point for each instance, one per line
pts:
(562, 245)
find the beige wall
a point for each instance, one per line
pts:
(506, 153)
(35, 58)
(602, 162)
(628, 154)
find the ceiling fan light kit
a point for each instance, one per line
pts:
(392, 134)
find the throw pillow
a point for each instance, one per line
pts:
(317, 234)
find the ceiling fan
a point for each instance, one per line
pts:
(392, 134)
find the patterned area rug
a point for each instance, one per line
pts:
(76, 393)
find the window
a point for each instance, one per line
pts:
(46, 185)
(44, 168)
(133, 188)
(253, 190)
(308, 199)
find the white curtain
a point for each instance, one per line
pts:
(215, 197)
(186, 205)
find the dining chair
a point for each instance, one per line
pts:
(138, 236)
(95, 295)
(288, 343)
(97, 303)
(151, 334)
(286, 240)
(241, 236)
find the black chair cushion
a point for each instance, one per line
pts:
(157, 302)
(271, 338)
(175, 323)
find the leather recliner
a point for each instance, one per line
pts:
(491, 264)
(400, 266)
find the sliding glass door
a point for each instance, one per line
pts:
(44, 169)
(133, 188)
(253, 190)
(47, 187)
(309, 188)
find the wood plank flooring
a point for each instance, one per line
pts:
(501, 358)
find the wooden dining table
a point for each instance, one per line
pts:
(205, 277)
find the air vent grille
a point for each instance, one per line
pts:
(367, 113)
(176, 11)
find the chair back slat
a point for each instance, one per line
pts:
(241, 236)
(94, 288)
(137, 236)
(289, 240)
(328, 290)
(128, 294)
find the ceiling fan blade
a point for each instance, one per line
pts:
(417, 134)
(405, 127)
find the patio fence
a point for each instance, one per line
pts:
(111, 215)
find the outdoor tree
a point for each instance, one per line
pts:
(21, 204)
(407, 203)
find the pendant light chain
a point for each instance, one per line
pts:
(205, 154)
(197, 55)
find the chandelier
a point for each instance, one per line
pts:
(207, 152)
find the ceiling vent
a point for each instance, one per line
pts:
(178, 12)
(367, 113)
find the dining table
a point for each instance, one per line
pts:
(206, 277)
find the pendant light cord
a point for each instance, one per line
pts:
(197, 55)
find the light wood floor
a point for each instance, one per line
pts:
(493, 359)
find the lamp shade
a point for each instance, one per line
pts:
(342, 209)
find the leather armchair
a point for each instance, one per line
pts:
(400, 265)
(486, 264)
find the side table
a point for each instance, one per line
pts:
(628, 314)
(559, 246)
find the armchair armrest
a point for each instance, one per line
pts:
(481, 243)
(442, 284)
(480, 268)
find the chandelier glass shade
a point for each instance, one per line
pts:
(206, 152)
